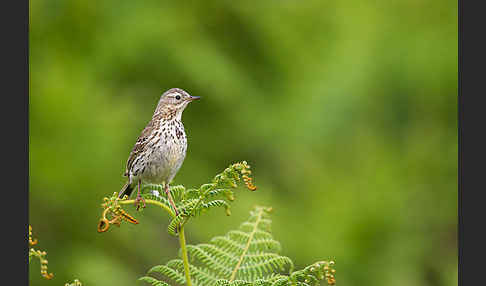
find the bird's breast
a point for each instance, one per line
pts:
(168, 151)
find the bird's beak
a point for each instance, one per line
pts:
(192, 98)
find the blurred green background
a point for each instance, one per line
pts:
(346, 111)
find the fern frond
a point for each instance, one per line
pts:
(175, 223)
(171, 271)
(152, 281)
(215, 259)
(41, 255)
(160, 198)
(247, 256)
(189, 202)
(221, 187)
(194, 202)
(176, 191)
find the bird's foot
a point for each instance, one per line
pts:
(139, 200)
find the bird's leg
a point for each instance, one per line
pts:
(139, 197)
(171, 201)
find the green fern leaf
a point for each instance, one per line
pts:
(194, 202)
(171, 270)
(248, 256)
(152, 281)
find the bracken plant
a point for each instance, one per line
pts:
(247, 256)
(41, 255)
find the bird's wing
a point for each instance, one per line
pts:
(140, 145)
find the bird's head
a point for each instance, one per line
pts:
(174, 101)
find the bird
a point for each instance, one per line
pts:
(161, 148)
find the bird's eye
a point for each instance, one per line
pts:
(178, 97)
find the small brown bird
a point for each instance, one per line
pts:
(161, 148)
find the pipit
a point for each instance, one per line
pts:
(161, 148)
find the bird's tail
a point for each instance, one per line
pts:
(126, 190)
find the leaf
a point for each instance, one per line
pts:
(248, 256)
(152, 281)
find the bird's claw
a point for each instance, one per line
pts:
(138, 200)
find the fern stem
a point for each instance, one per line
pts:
(182, 242)
(247, 247)
(153, 202)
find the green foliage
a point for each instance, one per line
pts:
(194, 202)
(247, 256)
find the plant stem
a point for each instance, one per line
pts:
(182, 236)
(153, 202)
(182, 242)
